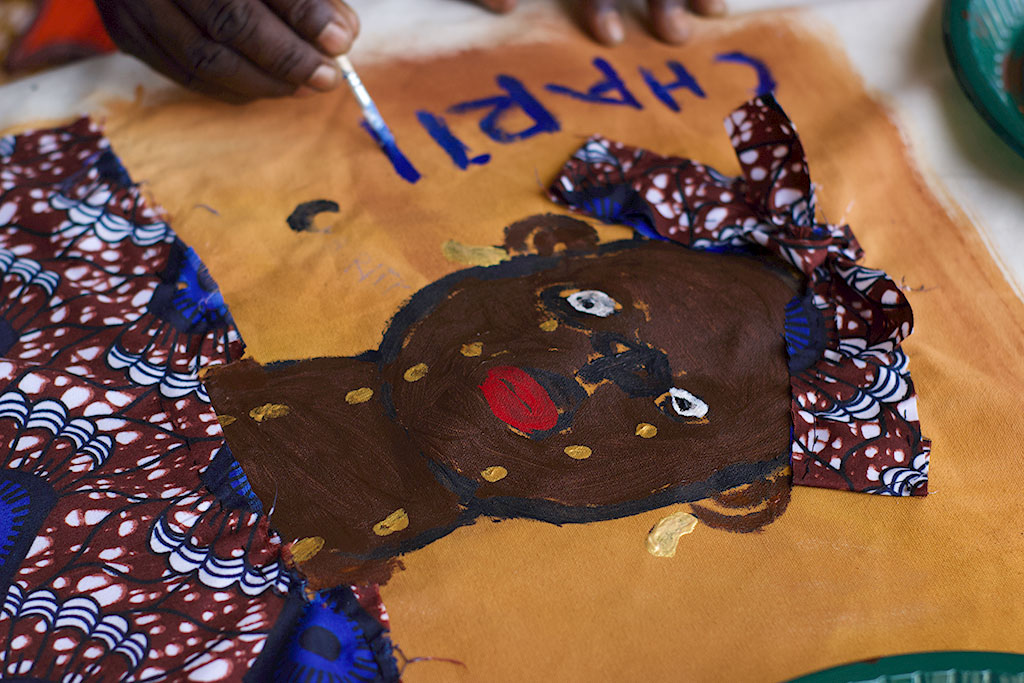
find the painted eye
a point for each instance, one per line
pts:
(686, 404)
(592, 302)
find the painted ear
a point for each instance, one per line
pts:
(547, 233)
(750, 507)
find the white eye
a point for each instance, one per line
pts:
(686, 404)
(592, 301)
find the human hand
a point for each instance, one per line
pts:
(602, 20)
(236, 50)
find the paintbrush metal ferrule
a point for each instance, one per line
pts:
(370, 111)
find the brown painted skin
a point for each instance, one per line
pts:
(335, 469)
(716, 319)
(328, 468)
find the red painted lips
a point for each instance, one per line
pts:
(518, 400)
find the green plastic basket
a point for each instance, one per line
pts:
(985, 44)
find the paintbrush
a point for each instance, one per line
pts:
(370, 112)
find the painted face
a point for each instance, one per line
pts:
(596, 380)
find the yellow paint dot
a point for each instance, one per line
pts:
(578, 452)
(643, 308)
(549, 325)
(416, 372)
(645, 430)
(361, 395)
(225, 420)
(396, 521)
(305, 549)
(494, 473)
(269, 411)
(664, 537)
(472, 349)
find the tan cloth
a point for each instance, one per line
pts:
(840, 576)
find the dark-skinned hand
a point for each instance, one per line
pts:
(236, 50)
(240, 50)
(669, 19)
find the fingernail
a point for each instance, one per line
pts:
(609, 27)
(351, 19)
(709, 8)
(501, 6)
(334, 39)
(324, 78)
(303, 91)
(675, 27)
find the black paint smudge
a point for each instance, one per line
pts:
(301, 219)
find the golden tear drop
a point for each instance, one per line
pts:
(305, 549)
(269, 411)
(664, 536)
(549, 325)
(225, 420)
(645, 430)
(416, 372)
(472, 349)
(578, 452)
(361, 395)
(396, 521)
(494, 473)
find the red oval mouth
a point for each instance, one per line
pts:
(518, 400)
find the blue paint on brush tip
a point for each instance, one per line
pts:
(372, 117)
(402, 165)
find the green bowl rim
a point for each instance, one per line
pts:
(881, 669)
(968, 73)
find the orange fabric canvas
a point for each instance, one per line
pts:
(839, 577)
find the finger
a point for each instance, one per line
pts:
(709, 8)
(133, 40)
(251, 30)
(202, 59)
(670, 20)
(499, 6)
(602, 20)
(330, 25)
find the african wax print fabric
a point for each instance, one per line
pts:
(131, 545)
(855, 423)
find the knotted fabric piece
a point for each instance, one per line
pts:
(854, 408)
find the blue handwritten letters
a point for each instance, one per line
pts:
(516, 114)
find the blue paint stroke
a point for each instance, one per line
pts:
(663, 91)
(598, 92)
(456, 148)
(517, 96)
(765, 83)
(398, 160)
